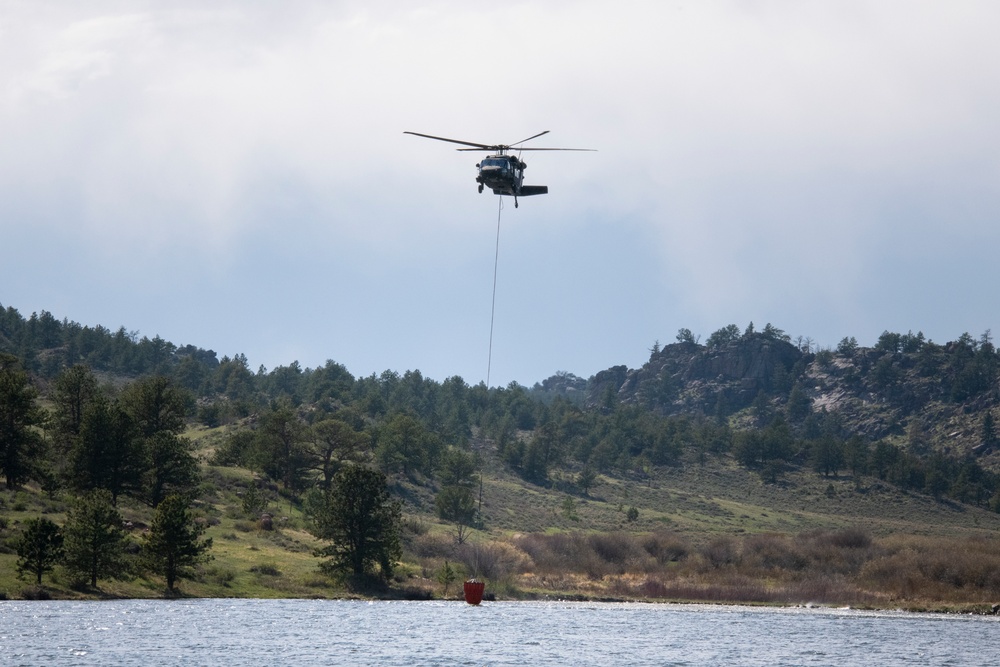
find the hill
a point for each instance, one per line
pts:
(903, 386)
(747, 469)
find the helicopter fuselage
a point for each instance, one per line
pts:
(504, 175)
(501, 172)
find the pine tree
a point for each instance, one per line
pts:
(361, 520)
(20, 443)
(989, 431)
(108, 454)
(174, 542)
(95, 539)
(446, 576)
(40, 547)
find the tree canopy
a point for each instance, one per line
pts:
(173, 543)
(361, 520)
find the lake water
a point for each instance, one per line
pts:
(234, 633)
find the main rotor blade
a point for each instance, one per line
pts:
(482, 147)
(529, 138)
(497, 148)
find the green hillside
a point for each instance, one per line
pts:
(751, 468)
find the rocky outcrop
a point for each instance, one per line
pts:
(933, 397)
(685, 376)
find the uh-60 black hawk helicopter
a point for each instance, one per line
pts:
(500, 172)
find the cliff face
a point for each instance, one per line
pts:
(929, 396)
(686, 377)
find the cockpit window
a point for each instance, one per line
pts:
(494, 163)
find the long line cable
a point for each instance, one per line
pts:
(493, 307)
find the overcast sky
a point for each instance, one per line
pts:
(234, 175)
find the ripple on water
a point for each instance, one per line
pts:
(237, 633)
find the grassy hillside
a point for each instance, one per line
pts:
(705, 466)
(709, 531)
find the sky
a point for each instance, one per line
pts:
(234, 175)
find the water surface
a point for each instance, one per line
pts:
(238, 633)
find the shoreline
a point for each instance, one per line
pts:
(527, 597)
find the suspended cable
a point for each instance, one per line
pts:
(493, 307)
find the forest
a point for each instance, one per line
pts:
(104, 419)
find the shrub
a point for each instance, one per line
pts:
(772, 552)
(829, 590)
(269, 569)
(414, 526)
(730, 589)
(432, 545)
(223, 576)
(895, 574)
(666, 547)
(617, 549)
(254, 501)
(35, 593)
(244, 526)
(496, 561)
(851, 538)
(653, 588)
(560, 553)
(720, 552)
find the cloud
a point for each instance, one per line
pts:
(831, 167)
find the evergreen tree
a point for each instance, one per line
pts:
(72, 392)
(456, 503)
(458, 468)
(361, 520)
(233, 378)
(774, 333)
(988, 431)
(155, 405)
(406, 445)
(586, 479)
(95, 539)
(40, 547)
(446, 576)
(109, 454)
(254, 501)
(828, 455)
(724, 336)
(684, 335)
(883, 458)
(170, 467)
(20, 442)
(779, 445)
(334, 442)
(174, 542)
(848, 346)
(280, 446)
(856, 455)
(541, 453)
(799, 404)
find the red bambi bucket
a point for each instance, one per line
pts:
(474, 591)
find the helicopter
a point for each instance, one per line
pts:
(500, 172)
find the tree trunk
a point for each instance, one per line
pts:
(171, 573)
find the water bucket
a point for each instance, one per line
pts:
(474, 591)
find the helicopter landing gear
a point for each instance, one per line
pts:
(480, 188)
(515, 202)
